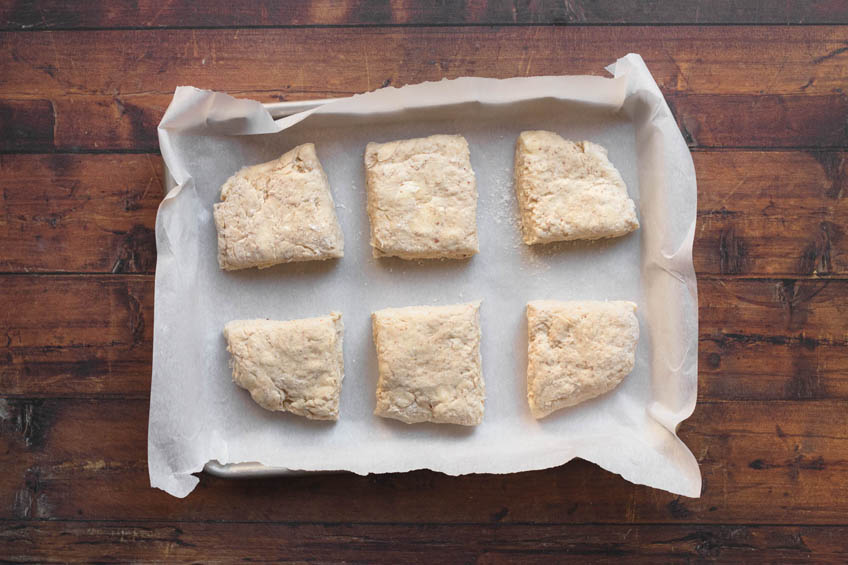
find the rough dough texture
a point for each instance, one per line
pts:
(278, 212)
(569, 190)
(422, 198)
(294, 366)
(577, 351)
(429, 364)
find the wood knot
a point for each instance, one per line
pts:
(732, 252)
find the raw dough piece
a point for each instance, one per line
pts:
(569, 190)
(577, 351)
(278, 212)
(422, 198)
(429, 364)
(294, 366)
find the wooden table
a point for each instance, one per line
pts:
(764, 107)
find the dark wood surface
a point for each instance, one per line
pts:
(759, 91)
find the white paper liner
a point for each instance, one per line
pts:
(197, 414)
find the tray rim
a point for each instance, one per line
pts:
(248, 470)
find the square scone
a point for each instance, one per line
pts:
(429, 364)
(422, 198)
(577, 350)
(278, 212)
(292, 366)
(569, 190)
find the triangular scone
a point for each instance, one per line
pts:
(569, 190)
(293, 366)
(278, 212)
(577, 351)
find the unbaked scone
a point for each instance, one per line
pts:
(422, 198)
(577, 351)
(429, 364)
(569, 190)
(294, 366)
(278, 212)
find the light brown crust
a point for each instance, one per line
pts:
(278, 212)
(577, 351)
(429, 364)
(293, 366)
(422, 198)
(569, 190)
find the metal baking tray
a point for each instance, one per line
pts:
(255, 469)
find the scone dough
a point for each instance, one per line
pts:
(278, 212)
(577, 351)
(569, 190)
(294, 366)
(422, 198)
(429, 364)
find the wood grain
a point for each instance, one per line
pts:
(498, 543)
(96, 213)
(78, 334)
(55, 14)
(759, 367)
(735, 96)
(92, 336)
(93, 213)
(26, 125)
(770, 431)
(132, 63)
(762, 462)
(776, 213)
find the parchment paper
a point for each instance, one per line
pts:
(197, 414)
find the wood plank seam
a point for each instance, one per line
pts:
(492, 24)
(219, 13)
(505, 525)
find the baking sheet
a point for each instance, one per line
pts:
(197, 414)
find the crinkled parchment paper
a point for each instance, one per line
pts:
(197, 414)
